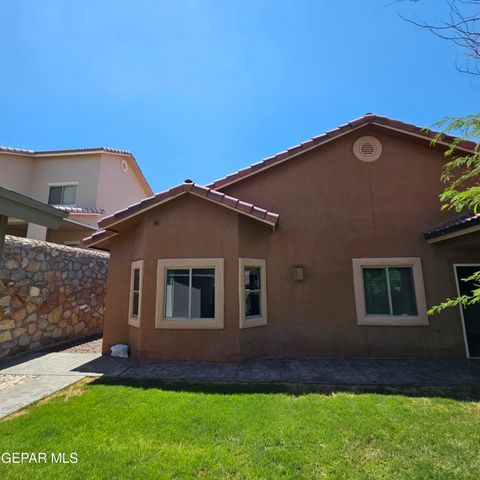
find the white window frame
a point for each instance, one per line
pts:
(63, 184)
(421, 319)
(134, 320)
(187, 323)
(263, 318)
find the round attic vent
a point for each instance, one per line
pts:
(367, 149)
(124, 165)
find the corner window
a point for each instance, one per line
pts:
(253, 292)
(389, 291)
(189, 293)
(136, 279)
(62, 195)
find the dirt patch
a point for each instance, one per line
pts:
(92, 346)
(8, 381)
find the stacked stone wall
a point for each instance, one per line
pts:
(49, 293)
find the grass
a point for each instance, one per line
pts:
(134, 430)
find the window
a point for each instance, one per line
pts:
(190, 293)
(62, 195)
(389, 291)
(136, 280)
(253, 292)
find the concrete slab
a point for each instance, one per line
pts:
(60, 363)
(29, 391)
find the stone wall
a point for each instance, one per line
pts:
(49, 293)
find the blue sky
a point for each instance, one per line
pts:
(199, 89)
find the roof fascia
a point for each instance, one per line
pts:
(154, 205)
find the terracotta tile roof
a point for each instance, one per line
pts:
(99, 236)
(214, 196)
(460, 223)
(81, 210)
(369, 118)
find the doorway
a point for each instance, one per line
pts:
(471, 313)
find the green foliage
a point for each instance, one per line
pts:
(462, 172)
(461, 176)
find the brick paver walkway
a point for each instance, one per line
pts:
(49, 372)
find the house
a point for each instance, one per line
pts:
(88, 184)
(318, 250)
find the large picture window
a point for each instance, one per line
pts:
(389, 291)
(252, 292)
(190, 293)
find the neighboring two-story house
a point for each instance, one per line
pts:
(87, 183)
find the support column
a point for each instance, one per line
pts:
(3, 231)
(36, 232)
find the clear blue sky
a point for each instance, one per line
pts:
(200, 88)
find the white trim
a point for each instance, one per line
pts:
(263, 318)
(188, 323)
(134, 321)
(421, 319)
(61, 184)
(464, 328)
(457, 233)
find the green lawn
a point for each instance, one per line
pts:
(138, 431)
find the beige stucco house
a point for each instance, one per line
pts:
(327, 249)
(87, 183)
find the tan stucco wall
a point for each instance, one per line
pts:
(83, 169)
(333, 208)
(16, 173)
(62, 236)
(118, 189)
(207, 231)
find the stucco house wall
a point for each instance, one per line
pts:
(83, 169)
(118, 187)
(333, 208)
(16, 173)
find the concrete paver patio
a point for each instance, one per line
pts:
(58, 370)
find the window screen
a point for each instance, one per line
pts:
(253, 292)
(135, 292)
(389, 291)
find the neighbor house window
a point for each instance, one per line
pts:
(136, 280)
(389, 291)
(62, 194)
(190, 293)
(253, 292)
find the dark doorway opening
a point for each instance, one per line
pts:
(471, 313)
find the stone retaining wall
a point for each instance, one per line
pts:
(49, 293)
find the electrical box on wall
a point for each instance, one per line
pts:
(298, 272)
